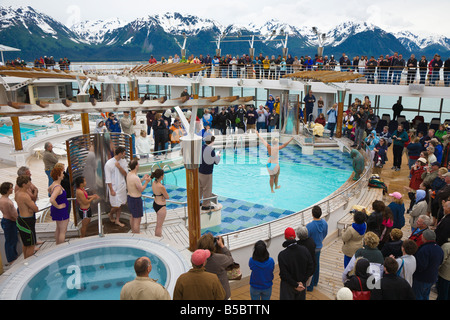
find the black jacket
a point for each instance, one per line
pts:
(296, 264)
(393, 287)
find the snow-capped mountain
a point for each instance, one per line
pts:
(414, 42)
(94, 31)
(161, 35)
(31, 20)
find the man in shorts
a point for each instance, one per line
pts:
(26, 208)
(9, 221)
(115, 175)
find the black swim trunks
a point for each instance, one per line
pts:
(27, 230)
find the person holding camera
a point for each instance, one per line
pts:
(219, 260)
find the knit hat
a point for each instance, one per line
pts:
(199, 256)
(344, 293)
(289, 233)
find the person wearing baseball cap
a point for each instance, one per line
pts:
(296, 266)
(197, 284)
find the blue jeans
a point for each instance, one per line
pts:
(443, 288)
(423, 76)
(11, 239)
(421, 290)
(397, 76)
(331, 127)
(315, 278)
(260, 294)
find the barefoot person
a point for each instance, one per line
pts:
(134, 197)
(9, 222)
(60, 205)
(84, 204)
(159, 204)
(26, 219)
(273, 166)
(115, 174)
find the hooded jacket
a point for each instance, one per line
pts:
(318, 230)
(99, 129)
(262, 273)
(353, 238)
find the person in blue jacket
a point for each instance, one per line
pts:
(112, 124)
(332, 119)
(261, 278)
(317, 230)
(270, 102)
(429, 257)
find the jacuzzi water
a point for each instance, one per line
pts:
(95, 274)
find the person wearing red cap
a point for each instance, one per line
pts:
(296, 266)
(197, 284)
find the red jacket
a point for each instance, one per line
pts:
(416, 177)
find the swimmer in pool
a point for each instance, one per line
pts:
(273, 166)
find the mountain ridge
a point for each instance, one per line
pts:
(161, 35)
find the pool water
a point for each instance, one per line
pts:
(27, 130)
(241, 181)
(304, 179)
(102, 273)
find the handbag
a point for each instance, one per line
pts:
(234, 271)
(361, 295)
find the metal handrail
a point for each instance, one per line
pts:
(100, 223)
(183, 203)
(171, 171)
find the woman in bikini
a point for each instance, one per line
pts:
(159, 204)
(273, 166)
(84, 204)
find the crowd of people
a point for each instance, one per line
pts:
(50, 63)
(386, 69)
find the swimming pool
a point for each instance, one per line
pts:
(304, 179)
(26, 130)
(242, 183)
(92, 269)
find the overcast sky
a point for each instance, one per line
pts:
(417, 16)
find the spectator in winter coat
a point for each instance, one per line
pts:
(429, 257)
(353, 236)
(262, 266)
(391, 286)
(398, 210)
(296, 266)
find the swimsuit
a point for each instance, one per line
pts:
(60, 214)
(27, 231)
(135, 206)
(156, 206)
(84, 213)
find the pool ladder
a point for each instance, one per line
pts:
(171, 171)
